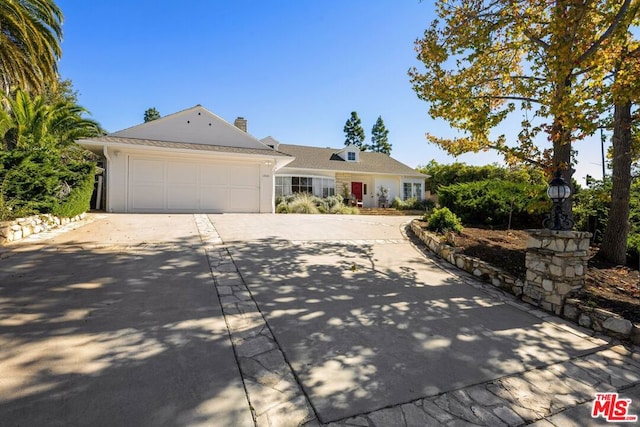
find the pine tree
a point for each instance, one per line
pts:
(353, 132)
(151, 114)
(380, 138)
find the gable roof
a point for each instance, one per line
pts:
(317, 158)
(195, 125)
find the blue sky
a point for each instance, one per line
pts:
(294, 69)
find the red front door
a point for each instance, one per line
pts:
(356, 190)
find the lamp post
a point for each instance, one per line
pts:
(558, 192)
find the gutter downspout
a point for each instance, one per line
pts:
(107, 170)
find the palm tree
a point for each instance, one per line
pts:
(31, 122)
(30, 36)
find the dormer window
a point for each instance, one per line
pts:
(350, 153)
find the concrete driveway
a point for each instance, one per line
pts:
(278, 320)
(116, 323)
(367, 322)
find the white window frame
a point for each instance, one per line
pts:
(412, 189)
(321, 186)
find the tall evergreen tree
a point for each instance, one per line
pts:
(151, 114)
(380, 138)
(354, 134)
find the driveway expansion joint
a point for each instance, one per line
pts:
(273, 391)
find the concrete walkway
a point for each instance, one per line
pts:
(334, 320)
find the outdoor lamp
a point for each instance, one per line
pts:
(558, 192)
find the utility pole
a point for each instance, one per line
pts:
(602, 151)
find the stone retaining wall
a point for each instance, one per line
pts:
(11, 231)
(589, 317)
(600, 320)
(487, 272)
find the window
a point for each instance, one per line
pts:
(417, 190)
(364, 189)
(351, 156)
(406, 190)
(412, 190)
(318, 186)
(301, 184)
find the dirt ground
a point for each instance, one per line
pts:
(612, 288)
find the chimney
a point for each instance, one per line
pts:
(241, 123)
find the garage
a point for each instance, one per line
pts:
(186, 162)
(162, 185)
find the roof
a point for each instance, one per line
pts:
(327, 159)
(179, 145)
(195, 125)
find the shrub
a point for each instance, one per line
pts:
(493, 202)
(349, 210)
(78, 200)
(336, 207)
(333, 201)
(591, 208)
(31, 180)
(309, 204)
(413, 204)
(283, 207)
(41, 181)
(443, 220)
(591, 213)
(443, 175)
(304, 203)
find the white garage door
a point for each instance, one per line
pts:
(161, 185)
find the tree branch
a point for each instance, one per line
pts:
(508, 97)
(594, 47)
(544, 45)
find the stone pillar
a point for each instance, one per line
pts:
(556, 264)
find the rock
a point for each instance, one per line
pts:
(571, 312)
(617, 325)
(584, 320)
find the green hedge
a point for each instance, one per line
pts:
(41, 181)
(79, 199)
(491, 202)
(445, 174)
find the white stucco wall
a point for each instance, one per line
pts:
(116, 172)
(392, 183)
